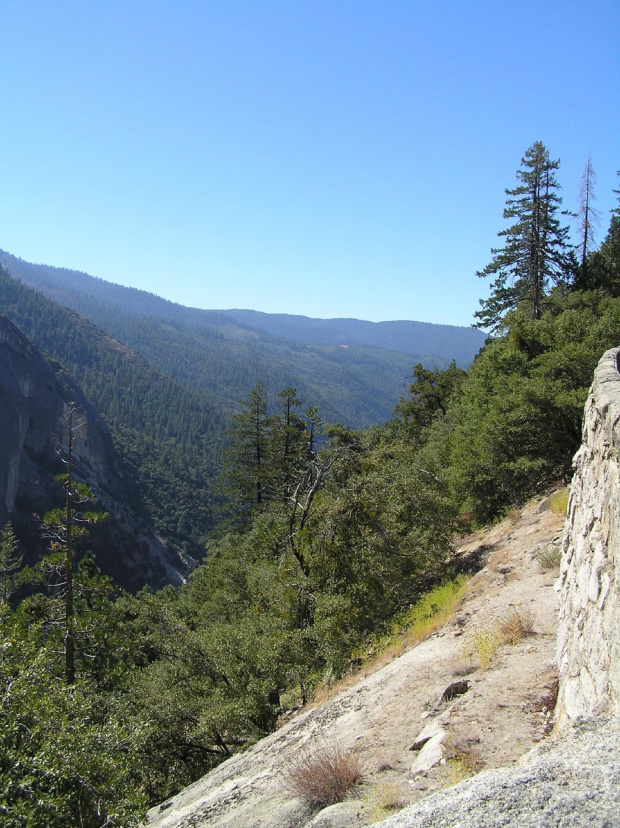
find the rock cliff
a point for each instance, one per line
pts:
(34, 406)
(588, 632)
(35, 399)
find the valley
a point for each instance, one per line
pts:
(217, 552)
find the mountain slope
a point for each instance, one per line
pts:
(353, 371)
(168, 436)
(378, 715)
(35, 399)
(423, 340)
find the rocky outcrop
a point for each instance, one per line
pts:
(573, 781)
(36, 397)
(589, 632)
(34, 407)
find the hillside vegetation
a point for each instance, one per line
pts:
(352, 370)
(168, 437)
(327, 535)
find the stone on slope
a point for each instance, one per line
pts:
(572, 781)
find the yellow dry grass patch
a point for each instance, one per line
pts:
(485, 641)
(558, 501)
(385, 798)
(430, 613)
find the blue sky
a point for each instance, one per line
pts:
(337, 158)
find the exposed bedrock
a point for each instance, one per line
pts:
(36, 397)
(589, 628)
(34, 408)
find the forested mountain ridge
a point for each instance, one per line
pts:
(353, 371)
(427, 342)
(168, 436)
(36, 398)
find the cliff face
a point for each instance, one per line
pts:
(589, 633)
(35, 400)
(34, 406)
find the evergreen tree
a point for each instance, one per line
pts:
(245, 463)
(10, 563)
(290, 442)
(64, 526)
(536, 252)
(429, 396)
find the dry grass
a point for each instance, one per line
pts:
(463, 759)
(325, 776)
(549, 557)
(431, 612)
(517, 625)
(385, 798)
(484, 643)
(558, 501)
(463, 765)
(513, 515)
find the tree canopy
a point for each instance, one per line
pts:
(536, 253)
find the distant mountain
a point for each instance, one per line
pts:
(166, 379)
(353, 371)
(35, 398)
(434, 342)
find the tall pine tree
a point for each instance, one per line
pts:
(603, 265)
(245, 469)
(536, 253)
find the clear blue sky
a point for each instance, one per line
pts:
(326, 157)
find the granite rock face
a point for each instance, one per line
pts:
(589, 585)
(36, 398)
(572, 781)
(34, 409)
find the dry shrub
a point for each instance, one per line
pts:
(325, 776)
(549, 557)
(518, 624)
